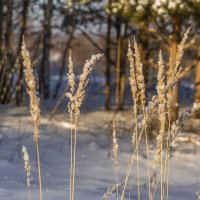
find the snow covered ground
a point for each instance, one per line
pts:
(95, 171)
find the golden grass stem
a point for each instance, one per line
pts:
(154, 192)
(116, 161)
(74, 164)
(39, 170)
(167, 156)
(71, 161)
(147, 151)
(137, 157)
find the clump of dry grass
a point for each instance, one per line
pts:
(162, 102)
(137, 84)
(75, 101)
(34, 104)
(27, 168)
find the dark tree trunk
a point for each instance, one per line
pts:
(1, 40)
(1, 31)
(108, 63)
(18, 58)
(144, 47)
(45, 64)
(118, 63)
(7, 71)
(123, 69)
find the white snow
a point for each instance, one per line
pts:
(95, 166)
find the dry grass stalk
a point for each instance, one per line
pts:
(179, 123)
(76, 98)
(169, 93)
(169, 97)
(176, 68)
(139, 74)
(31, 89)
(71, 80)
(172, 75)
(158, 158)
(75, 102)
(161, 110)
(27, 168)
(135, 94)
(34, 104)
(141, 89)
(115, 153)
(70, 75)
(110, 191)
(132, 78)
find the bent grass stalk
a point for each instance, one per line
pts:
(34, 104)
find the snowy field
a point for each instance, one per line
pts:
(95, 172)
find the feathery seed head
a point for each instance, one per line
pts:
(76, 97)
(70, 75)
(178, 124)
(31, 89)
(161, 109)
(139, 73)
(132, 78)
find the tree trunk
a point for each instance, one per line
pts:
(175, 38)
(123, 69)
(1, 32)
(197, 85)
(118, 63)
(45, 64)
(108, 64)
(7, 71)
(18, 57)
(1, 40)
(144, 46)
